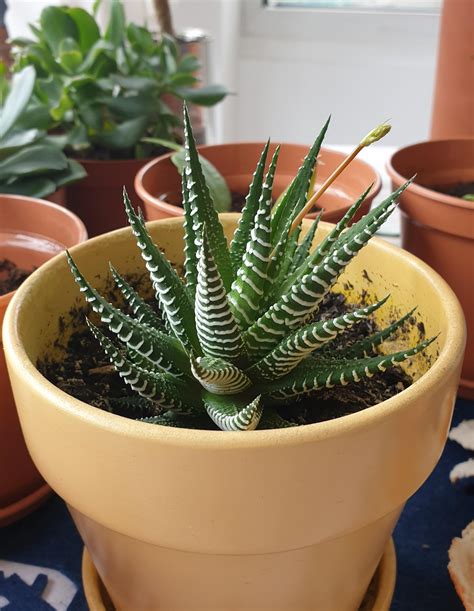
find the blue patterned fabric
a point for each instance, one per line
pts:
(437, 513)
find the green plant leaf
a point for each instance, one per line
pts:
(87, 28)
(315, 373)
(207, 216)
(18, 97)
(37, 159)
(17, 139)
(70, 56)
(141, 38)
(230, 415)
(219, 376)
(71, 174)
(123, 136)
(164, 389)
(205, 96)
(216, 326)
(250, 284)
(31, 186)
(189, 63)
(170, 291)
(115, 32)
(169, 144)
(56, 25)
(216, 183)
(247, 219)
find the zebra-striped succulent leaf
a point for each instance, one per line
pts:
(248, 288)
(239, 335)
(249, 212)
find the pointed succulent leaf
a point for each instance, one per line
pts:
(325, 247)
(303, 297)
(367, 346)
(198, 195)
(216, 327)
(292, 350)
(316, 373)
(163, 352)
(140, 309)
(249, 286)
(242, 233)
(134, 407)
(191, 225)
(218, 376)
(230, 416)
(171, 293)
(164, 389)
(303, 249)
(173, 419)
(295, 197)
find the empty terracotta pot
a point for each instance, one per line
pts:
(97, 199)
(453, 106)
(158, 183)
(31, 231)
(439, 228)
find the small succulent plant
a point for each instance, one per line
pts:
(239, 334)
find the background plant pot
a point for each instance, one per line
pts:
(97, 199)
(439, 228)
(31, 231)
(453, 104)
(284, 519)
(237, 162)
(58, 197)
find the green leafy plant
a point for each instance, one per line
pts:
(106, 91)
(239, 334)
(31, 163)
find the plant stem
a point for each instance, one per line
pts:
(163, 15)
(373, 136)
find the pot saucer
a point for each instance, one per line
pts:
(24, 506)
(378, 597)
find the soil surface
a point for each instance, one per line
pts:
(11, 276)
(458, 190)
(85, 373)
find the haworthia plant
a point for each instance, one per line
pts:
(236, 337)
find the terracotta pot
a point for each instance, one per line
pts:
(439, 228)
(453, 107)
(285, 519)
(31, 231)
(58, 197)
(237, 162)
(97, 199)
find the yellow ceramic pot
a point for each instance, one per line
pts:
(292, 519)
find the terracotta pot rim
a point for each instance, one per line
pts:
(112, 161)
(4, 299)
(178, 210)
(448, 357)
(426, 191)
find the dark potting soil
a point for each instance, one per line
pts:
(11, 276)
(458, 190)
(174, 198)
(85, 373)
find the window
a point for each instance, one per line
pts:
(429, 6)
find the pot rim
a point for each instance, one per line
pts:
(4, 299)
(177, 210)
(426, 192)
(448, 358)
